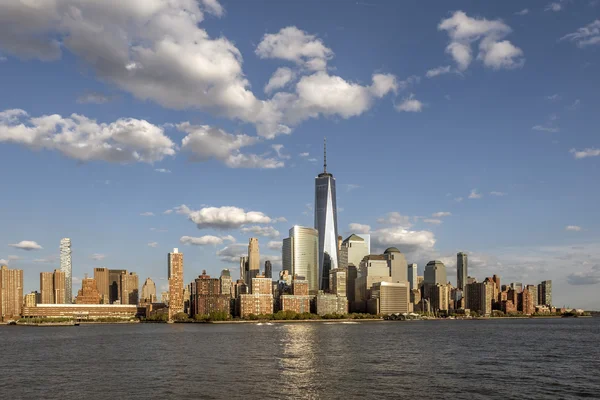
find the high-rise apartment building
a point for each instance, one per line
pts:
(11, 293)
(260, 301)
(175, 274)
(148, 291)
(525, 302)
(518, 286)
(545, 293)
(327, 303)
(326, 223)
(102, 277)
(226, 283)
(67, 268)
(300, 255)
(480, 297)
(47, 287)
(52, 287)
(435, 273)
(534, 294)
(59, 286)
(253, 260)
(412, 276)
(130, 288)
(30, 299)
(268, 269)
(207, 297)
(462, 270)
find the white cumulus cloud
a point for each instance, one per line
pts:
(573, 228)
(226, 217)
(590, 152)
(281, 77)
(267, 231)
(359, 228)
(27, 245)
(475, 194)
(493, 51)
(410, 104)
(441, 214)
(81, 138)
(204, 240)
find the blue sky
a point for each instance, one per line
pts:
(459, 126)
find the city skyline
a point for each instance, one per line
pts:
(432, 153)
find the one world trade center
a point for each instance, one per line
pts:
(326, 223)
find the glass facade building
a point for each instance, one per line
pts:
(326, 224)
(300, 255)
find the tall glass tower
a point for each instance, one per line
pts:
(65, 266)
(326, 223)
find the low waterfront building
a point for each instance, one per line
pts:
(299, 304)
(327, 303)
(389, 298)
(81, 311)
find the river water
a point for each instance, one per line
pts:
(499, 359)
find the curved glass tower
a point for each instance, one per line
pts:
(326, 223)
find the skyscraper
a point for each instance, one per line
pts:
(326, 223)
(397, 263)
(300, 255)
(129, 288)
(226, 283)
(412, 276)
(66, 267)
(462, 270)
(175, 274)
(243, 267)
(268, 269)
(47, 287)
(88, 294)
(435, 273)
(59, 287)
(101, 275)
(355, 248)
(149, 291)
(544, 293)
(114, 285)
(253, 260)
(11, 293)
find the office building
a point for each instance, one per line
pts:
(88, 294)
(114, 289)
(243, 268)
(397, 264)
(373, 268)
(545, 293)
(462, 270)
(355, 249)
(102, 277)
(11, 293)
(148, 291)
(226, 283)
(129, 288)
(300, 254)
(337, 281)
(67, 268)
(351, 275)
(326, 223)
(389, 298)
(412, 276)
(435, 273)
(437, 295)
(268, 269)
(175, 275)
(253, 261)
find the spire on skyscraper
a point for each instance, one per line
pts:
(325, 155)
